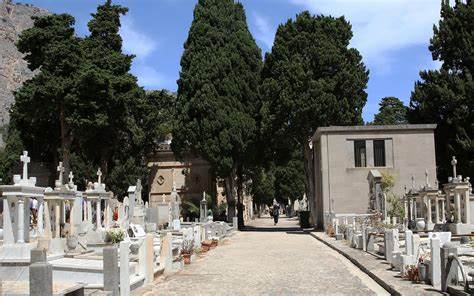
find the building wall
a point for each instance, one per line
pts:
(191, 175)
(408, 152)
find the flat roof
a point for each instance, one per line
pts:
(371, 128)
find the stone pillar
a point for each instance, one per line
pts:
(457, 205)
(166, 253)
(41, 279)
(89, 212)
(110, 215)
(8, 236)
(149, 262)
(437, 209)
(409, 242)
(443, 211)
(111, 270)
(428, 212)
(235, 223)
(57, 216)
(40, 215)
(21, 221)
(416, 246)
(124, 268)
(47, 221)
(435, 265)
(467, 207)
(98, 213)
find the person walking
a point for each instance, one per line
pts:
(275, 211)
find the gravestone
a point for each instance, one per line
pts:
(111, 270)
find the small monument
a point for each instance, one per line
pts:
(203, 209)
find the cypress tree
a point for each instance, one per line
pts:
(446, 96)
(218, 91)
(311, 78)
(391, 111)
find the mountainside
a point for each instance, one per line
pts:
(14, 18)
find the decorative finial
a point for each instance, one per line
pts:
(99, 176)
(412, 182)
(426, 178)
(71, 177)
(454, 162)
(60, 170)
(25, 159)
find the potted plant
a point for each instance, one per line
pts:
(114, 236)
(187, 250)
(413, 273)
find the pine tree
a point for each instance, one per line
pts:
(311, 78)
(446, 96)
(218, 91)
(391, 111)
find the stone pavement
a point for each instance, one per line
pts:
(268, 261)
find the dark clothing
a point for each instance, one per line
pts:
(276, 213)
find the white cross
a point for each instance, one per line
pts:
(60, 169)
(453, 163)
(99, 175)
(25, 159)
(71, 177)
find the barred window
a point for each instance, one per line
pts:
(379, 153)
(360, 155)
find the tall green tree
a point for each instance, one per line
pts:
(391, 111)
(84, 107)
(218, 92)
(311, 78)
(446, 96)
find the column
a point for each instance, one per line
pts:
(405, 206)
(89, 212)
(467, 207)
(410, 205)
(40, 216)
(124, 268)
(21, 220)
(437, 209)
(47, 221)
(8, 237)
(443, 210)
(429, 216)
(98, 213)
(84, 211)
(57, 217)
(457, 205)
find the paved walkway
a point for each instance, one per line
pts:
(269, 261)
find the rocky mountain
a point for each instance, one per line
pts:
(14, 18)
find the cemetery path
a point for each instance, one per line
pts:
(268, 260)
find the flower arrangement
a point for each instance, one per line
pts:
(114, 235)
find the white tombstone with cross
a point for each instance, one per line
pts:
(16, 213)
(96, 195)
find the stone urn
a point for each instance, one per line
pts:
(420, 224)
(72, 242)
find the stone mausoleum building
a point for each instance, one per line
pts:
(192, 176)
(347, 160)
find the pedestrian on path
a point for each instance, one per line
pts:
(276, 211)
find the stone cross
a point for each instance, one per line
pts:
(99, 176)
(454, 162)
(60, 169)
(71, 177)
(25, 159)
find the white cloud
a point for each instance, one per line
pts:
(382, 26)
(148, 77)
(134, 41)
(265, 32)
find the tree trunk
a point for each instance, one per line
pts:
(66, 141)
(308, 168)
(240, 205)
(229, 187)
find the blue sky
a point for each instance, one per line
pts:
(392, 35)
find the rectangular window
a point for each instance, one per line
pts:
(379, 153)
(360, 155)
